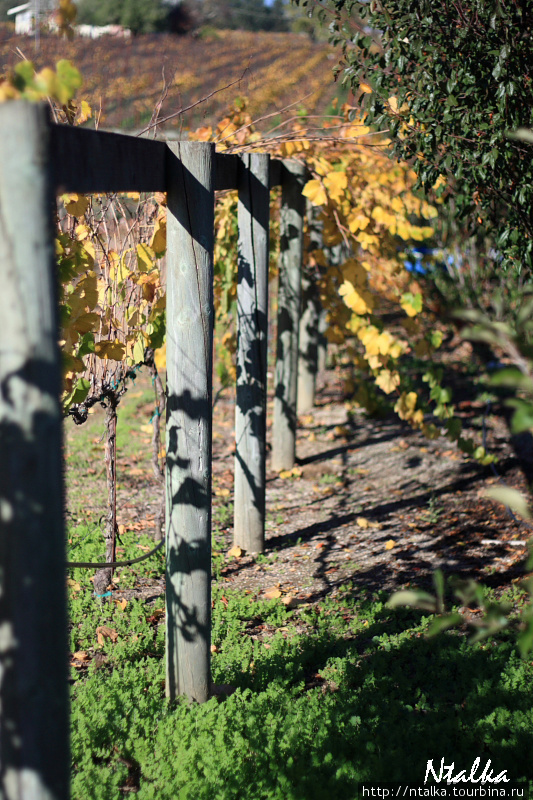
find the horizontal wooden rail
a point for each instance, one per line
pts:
(94, 162)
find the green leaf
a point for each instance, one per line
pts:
(68, 81)
(525, 639)
(86, 344)
(438, 583)
(23, 74)
(81, 390)
(512, 498)
(414, 598)
(444, 622)
(511, 377)
(522, 419)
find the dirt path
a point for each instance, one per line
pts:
(375, 504)
(372, 504)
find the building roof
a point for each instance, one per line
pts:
(16, 9)
(41, 5)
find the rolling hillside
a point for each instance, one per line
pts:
(126, 77)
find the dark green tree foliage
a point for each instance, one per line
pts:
(250, 15)
(462, 76)
(140, 16)
(5, 5)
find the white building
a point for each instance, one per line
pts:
(27, 14)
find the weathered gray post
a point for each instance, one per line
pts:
(34, 754)
(289, 300)
(190, 238)
(309, 319)
(252, 305)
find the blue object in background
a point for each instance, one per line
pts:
(417, 266)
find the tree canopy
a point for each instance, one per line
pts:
(449, 82)
(251, 15)
(137, 15)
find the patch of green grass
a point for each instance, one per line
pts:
(345, 691)
(329, 479)
(223, 514)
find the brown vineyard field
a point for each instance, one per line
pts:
(125, 78)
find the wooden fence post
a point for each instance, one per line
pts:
(289, 300)
(252, 304)
(309, 319)
(34, 753)
(190, 232)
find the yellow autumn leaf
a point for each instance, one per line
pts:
(145, 258)
(160, 358)
(384, 218)
(110, 350)
(374, 362)
(85, 112)
(388, 381)
(86, 322)
(222, 492)
(316, 193)
(120, 270)
(336, 183)
(82, 232)
(393, 104)
(272, 594)
(357, 221)
(366, 239)
(295, 472)
(418, 417)
(396, 349)
(362, 522)
(87, 289)
(158, 242)
(411, 304)
(403, 230)
(138, 349)
(384, 342)
(76, 204)
(390, 544)
(354, 272)
(406, 404)
(235, 552)
(368, 335)
(360, 302)
(365, 88)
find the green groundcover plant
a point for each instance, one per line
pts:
(326, 696)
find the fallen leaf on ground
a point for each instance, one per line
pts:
(362, 522)
(236, 552)
(103, 632)
(295, 472)
(80, 655)
(390, 544)
(156, 615)
(341, 430)
(272, 594)
(289, 602)
(121, 603)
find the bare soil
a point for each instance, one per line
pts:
(372, 503)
